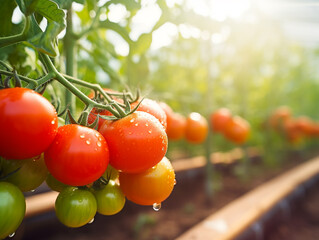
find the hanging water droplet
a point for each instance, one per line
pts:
(157, 206)
(175, 182)
(82, 135)
(91, 221)
(12, 234)
(33, 190)
(88, 142)
(99, 144)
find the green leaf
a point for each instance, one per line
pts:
(27, 6)
(66, 4)
(7, 27)
(51, 11)
(142, 44)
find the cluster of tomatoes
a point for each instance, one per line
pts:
(234, 128)
(94, 170)
(293, 128)
(194, 127)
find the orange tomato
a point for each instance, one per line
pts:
(150, 187)
(196, 128)
(237, 130)
(279, 116)
(219, 118)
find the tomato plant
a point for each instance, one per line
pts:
(150, 187)
(30, 173)
(28, 123)
(75, 207)
(12, 208)
(110, 199)
(237, 130)
(78, 155)
(196, 128)
(136, 142)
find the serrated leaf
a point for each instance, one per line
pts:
(51, 11)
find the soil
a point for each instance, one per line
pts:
(187, 205)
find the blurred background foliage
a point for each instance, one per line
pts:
(188, 60)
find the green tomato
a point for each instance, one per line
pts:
(111, 173)
(12, 208)
(31, 172)
(55, 184)
(75, 207)
(110, 199)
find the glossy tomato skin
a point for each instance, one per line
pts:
(28, 123)
(75, 207)
(152, 107)
(196, 128)
(136, 142)
(54, 184)
(78, 155)
(110, 199)
(31, 174)
(149, 187)
(219, 118)
(237, 130)
(12, 208)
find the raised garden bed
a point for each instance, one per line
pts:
(186, 207)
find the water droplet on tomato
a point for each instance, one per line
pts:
(53, 122)
(33, 190)
(99, 144)
(130, 133)
(157, 206)
(146, 124)
(149, 131)
(12, 234)
(132, 120)
(88, 142)
(136, 124)
(91, 221)
(82, 135)
(175, 182)
(97, 135)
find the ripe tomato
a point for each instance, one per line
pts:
(28, 123)
(196, 128)
(237, 130)
(31, 174)
(78, 155)
(75, 207)
(176, 123)
(136, 142)
(279, 116)
(110, 199)
(149, 187)
(54, 184)
(153, 108)
(219, 118)
(12, 208)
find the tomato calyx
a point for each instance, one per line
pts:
(100, 183)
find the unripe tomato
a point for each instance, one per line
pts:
(153, 108)
(78, 155)
(54, 184)
(196, 128)
(149, 187)
(75, 207)
(12, 208)
(219, 118)
(110, 199)
(31, 174)
(136, 142)
(237, 130)
(28, 123)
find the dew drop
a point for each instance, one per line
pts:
(88, 142)
(163, 149)
(99, 144)
(136, 124)
(53, 122)
(132, 120)
(33, 190)
(150, 131)
(95, 149)
(130, 133)
(97, 135)
(146, 124)
(157, 206)
(175, 182)
(82, 136)
(91, 221)
(12, 234)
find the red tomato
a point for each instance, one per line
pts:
(78, 155)
(153, 108)
(150, 187)
(196, 128)
(136, 142)
(237, 130)
(28, 123)
(219, 118)
(279, 116)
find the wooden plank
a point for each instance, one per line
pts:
(40, 203)
(230, 221)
